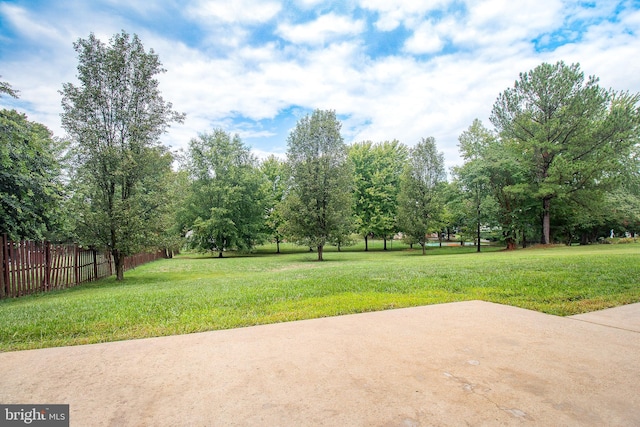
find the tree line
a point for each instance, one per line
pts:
(561, 164)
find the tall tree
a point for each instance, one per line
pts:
(115, 117)
(472, 176)
(227, 203)
(30, 184)
(509, 187)
(364, 161)
(570, 134)
(318, 205)
(378, 168)
(420, 199)
(275, 171)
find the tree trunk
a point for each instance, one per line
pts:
(478, 231)
(220, 254)
(584, 239)
(424, 248)
(366, 242)
(320, 248)
(511, 244)
(118, 259)
(546, 221)
(277, 246)
(385, 243)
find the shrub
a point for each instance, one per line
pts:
(627, 240)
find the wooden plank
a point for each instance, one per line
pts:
(12, 270)
(21, 261)
(47, 266)
(28, 266)
(95, 264)
(53, 274)
(75, 266)
(4, 268)
(19, 269)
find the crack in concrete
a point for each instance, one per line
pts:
(471, 387)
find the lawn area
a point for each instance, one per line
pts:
(199, 293)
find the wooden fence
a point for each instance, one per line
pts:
(29, 267)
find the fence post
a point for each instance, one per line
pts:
(4, 279)
(47, 265)
(95, 264)
(76, 266)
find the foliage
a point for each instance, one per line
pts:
(192, 294)
(377, 171)
(568, 134)
(7, 89)
(129, 222)
(317, 206)
(277, 175)
(227, 200)
(421, 200)
(169, 232)
(31, 188)
(115, 117)
(478, 207)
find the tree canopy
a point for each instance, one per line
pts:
(377, 171)
(474, 182)
(31, 186)
(228, 198)
(570, 135)
(115, 117)
(318, 202)
(277, 176)
(420, 199)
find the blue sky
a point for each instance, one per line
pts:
(402, 69)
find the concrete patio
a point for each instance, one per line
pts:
(470, 363)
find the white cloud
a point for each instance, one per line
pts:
(324, 29)
(235, 11)
(391, 14)
(29, 26)
(425, 39)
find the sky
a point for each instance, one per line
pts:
(405, 69)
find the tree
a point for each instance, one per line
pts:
(472, 176)
(318, 203)
(420, 201)
(570, 134)
(171, 236)
(227, 203)
(115, 117)
(31, 189)
(378, 168)
(510, 188)
(363, 158)
(277, 176)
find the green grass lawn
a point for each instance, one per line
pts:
(198, 293)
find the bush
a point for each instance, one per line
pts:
(627, 240)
